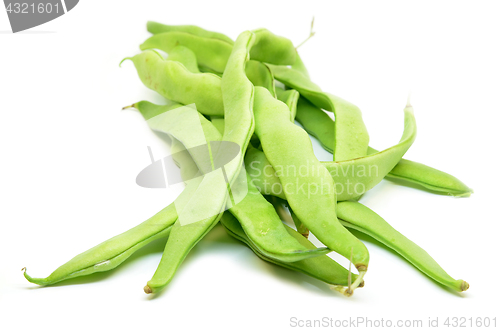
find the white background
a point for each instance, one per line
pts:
(70, 157)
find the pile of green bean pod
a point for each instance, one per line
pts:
(221, 93)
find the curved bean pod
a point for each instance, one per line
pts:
(369, 170)
(172, 80)
(156, 28)
(428, 177)
(210, 52)
(352, 177)
(318, 124)
(351, 137)
(112, 252)
(356, 216)
(286, 144)
(265, 229)
(185, 56)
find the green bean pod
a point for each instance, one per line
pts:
(213, 49)
(356, 216)
(112, 252)
(351, 137)
(267, 47)
(173, 81)
(260, 75)
(271, 48)
(352, 177)
(185, 56)
(286, 144)
(237, 93)
(428, 177)
(364, 173)
(210, 52)
(318, 124)
(156, 28)
(266, 231)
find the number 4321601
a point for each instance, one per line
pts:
(25, 8)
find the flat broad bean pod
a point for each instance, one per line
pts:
(352, 177)
(174, 81)
(257, 72)
(430, 178)
(316, 122)
(212, 50)
(271, 48)
(112, 252)
(351, 136)
(359, 217)
(155, 28)
(286, 144)
(321, 126)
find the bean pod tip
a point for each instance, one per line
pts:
(124, 59)
(147, 289)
